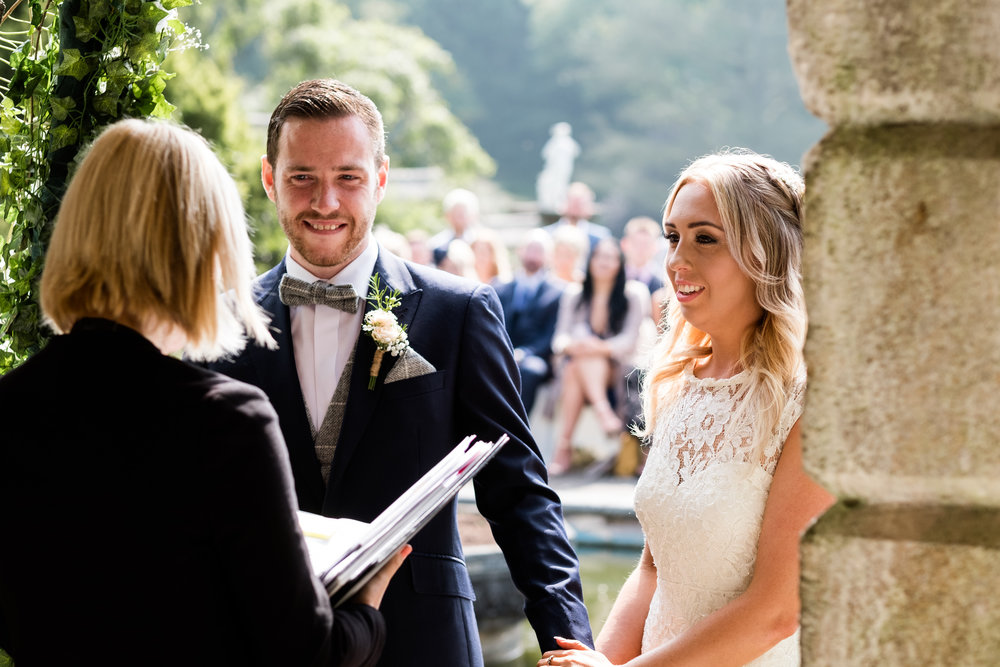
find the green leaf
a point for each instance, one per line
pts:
(61, 106)
(98, 10)
(73, 64)
(174, 4)
(9, 123)
(118, 76)
(177, 26)
(153, 14)
(163, 109)
(106, 103)
(86, 29)
(144, 49)
(62, 136)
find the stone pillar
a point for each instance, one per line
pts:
(902, 270)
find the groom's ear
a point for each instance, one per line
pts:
(382, 179)
(267, 176)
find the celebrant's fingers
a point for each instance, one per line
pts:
(372, 592)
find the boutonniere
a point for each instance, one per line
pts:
(383, 327)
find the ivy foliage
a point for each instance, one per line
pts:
(75, 66)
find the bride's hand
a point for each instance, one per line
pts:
(573, 653)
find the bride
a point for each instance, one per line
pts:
(723, 498)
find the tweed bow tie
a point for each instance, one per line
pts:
(295, 292)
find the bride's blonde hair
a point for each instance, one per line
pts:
(760, 204)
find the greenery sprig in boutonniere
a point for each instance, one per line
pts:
(383, 327)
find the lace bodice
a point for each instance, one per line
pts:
(700, 501)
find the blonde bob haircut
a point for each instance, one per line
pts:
(152, 232)
(760, 204)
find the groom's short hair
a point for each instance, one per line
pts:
(326, 98)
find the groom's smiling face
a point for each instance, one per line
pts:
(326, 187)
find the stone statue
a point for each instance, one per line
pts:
(559, 153)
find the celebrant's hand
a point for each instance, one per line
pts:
(372, 592)
(573, 653)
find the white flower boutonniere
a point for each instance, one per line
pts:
(383, 327)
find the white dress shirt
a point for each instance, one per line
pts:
(323, 337)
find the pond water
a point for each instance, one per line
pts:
(603, 572)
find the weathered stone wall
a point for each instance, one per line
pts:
(902, 272)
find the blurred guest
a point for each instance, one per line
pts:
(577, 211)
(570, 247)
(642, 241)
(459, 260)
(461, 211)
(530, 308)
(597, 332)
(420, 248)
(154, 521)
(492, 257)
(392, 241)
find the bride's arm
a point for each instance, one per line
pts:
(621, 636)
(768, 611)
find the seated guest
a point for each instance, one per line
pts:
(492, 257)
(642, 241)
(530, 308)
(420, 248)
(570, 249)
(147, 507)
(577, 213)
(461, 211)
(597, 333)
(458, 259)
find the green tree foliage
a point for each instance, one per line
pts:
(208, 96)
(505, 90)
(647, 85)
(664, 81)
(75, 66)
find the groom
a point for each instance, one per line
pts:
(357, 443)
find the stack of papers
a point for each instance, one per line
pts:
(345, 553)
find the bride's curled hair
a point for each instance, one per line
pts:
(760, 204)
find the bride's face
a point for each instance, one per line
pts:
(712, 291)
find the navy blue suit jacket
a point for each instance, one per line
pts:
(532, 327)
(393, 434)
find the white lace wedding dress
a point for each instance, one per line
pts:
(700, 500)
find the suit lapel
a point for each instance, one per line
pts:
(361, 401)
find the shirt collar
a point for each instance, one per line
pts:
(357, 273)
(533, 280)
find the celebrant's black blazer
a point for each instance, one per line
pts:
(395, 432)
(147, 517)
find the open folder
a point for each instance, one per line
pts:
(345, 553)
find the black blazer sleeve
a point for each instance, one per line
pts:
(283, 607)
